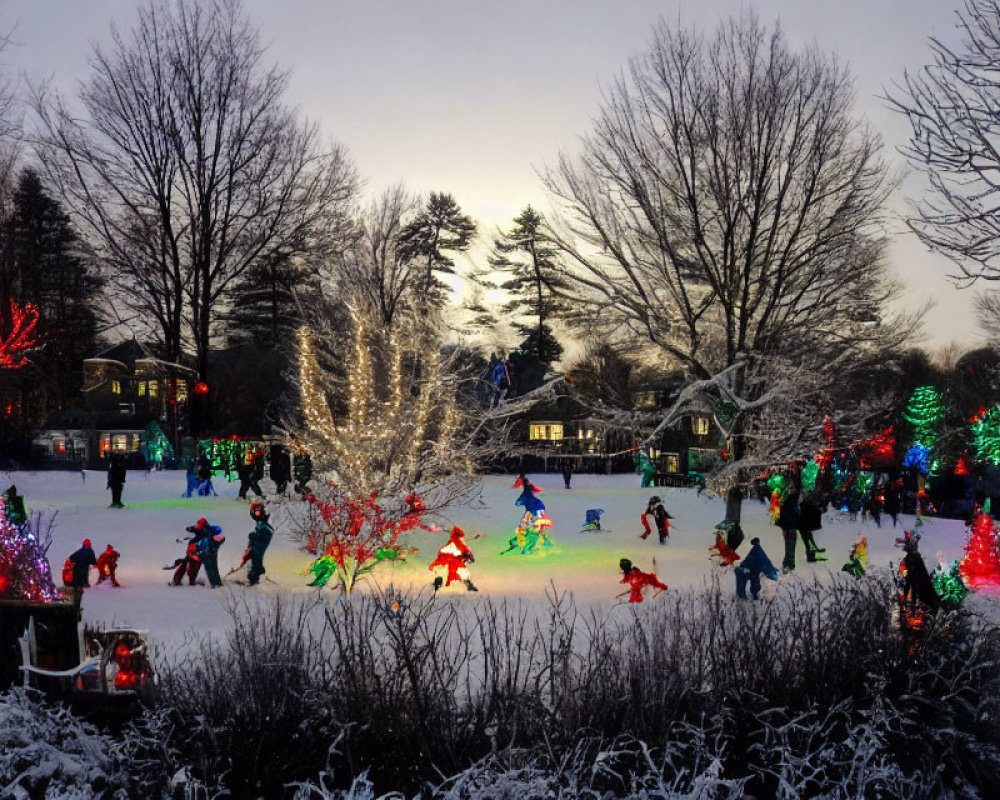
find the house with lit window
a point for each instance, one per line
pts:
(128, 394)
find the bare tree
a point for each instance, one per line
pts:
(727, 208)
(951, 106)
(186, 167)
(377, 267)
(988, 309)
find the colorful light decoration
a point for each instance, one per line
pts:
(25, 573)
(918, 456)
(829, 433)
(986, 434)
(532, 529)
(21, 337)
(810, 472)
(354, 535)
(980, 566)
(391, 436)
(877, 452)
(925, 412)
(201, 388)
(948, 583)
(964, 464)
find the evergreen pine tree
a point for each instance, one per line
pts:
(440, 227)
(527, 255)
(263, 307)
(53, 275)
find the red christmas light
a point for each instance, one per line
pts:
(824, 457)
(201, 388)
(878, 451)
(981, 565)
(20, 338)
(964, 465)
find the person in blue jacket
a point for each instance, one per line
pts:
(260, 538)
(751, 568)
(207, 540)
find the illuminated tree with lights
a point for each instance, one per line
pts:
(925, 412)
(24, 568)
(986, 435)
(401, 426)
(981, 565)
(19, 336)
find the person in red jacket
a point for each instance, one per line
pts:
(107, 565)
(638, 580)
(454, 556)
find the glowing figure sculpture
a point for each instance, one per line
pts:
(454, 557)
(980, 566)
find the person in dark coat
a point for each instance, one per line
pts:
(567, 472)
(893, 499)
(116, 479)
(281, 468)
(13, 507)
(82, 560)
(810, 520)
(245, 472)
(660, 516)
(260, 538)
(751, 568)
(789, 521)
(207, 541)
(302, 467)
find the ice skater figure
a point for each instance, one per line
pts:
(13, 507)
(857, 561)
(638, 580)
(660, 517)
(454, 557)
(207, 541)
(107, 566)
(260, 538)
(189, 564)
(567, 472)
(726, 555)
(751, 568)
(77, 568)
(116, 479)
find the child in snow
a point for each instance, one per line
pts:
(189, 565)
(751, 568)
(454, 556)
(660, 517)
(638, 580)
(78, 566)
(207, 540)
(260, 538)
(107, 565)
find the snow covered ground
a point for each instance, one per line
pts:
(146, 531)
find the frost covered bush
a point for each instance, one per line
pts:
(46, 752)
(812, 693)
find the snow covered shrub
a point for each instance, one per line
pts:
(247, 713)
(46, 752)
(811, 693)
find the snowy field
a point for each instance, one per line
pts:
(146, 531)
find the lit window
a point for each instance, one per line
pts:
(133, 445)
(116, 387)
(545, 431)
(142, 388)
(699, 426)
(182, 391)
(105, 445)
(119, 442)
(59, 446)
(671, 462)
(154, 389)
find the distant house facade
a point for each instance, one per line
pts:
(125, 389)
(566, 427)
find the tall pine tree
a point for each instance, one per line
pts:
(53, 275)
(439, 228)
(526, 254)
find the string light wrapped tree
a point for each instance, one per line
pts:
(986, 434)
(19, 336)
(25, 573)
(980, 568)
(925, 412)
(401, 442)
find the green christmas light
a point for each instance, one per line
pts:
(810, 472)
(986, 435)
(925, 413)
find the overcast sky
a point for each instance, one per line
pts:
(471, 96)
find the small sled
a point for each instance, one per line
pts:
(593, 520)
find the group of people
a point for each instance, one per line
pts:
(250, 472)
